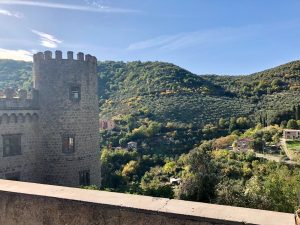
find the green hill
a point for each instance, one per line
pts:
(15, 73)
(167, 93)
(273, 92)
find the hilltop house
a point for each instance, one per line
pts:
(291, 134)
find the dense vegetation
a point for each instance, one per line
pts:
(184, 125)
(165, 92)
(15, 74)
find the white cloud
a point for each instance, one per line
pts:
(23, 55)
(197, 38)
(9, 13)
(91, 8)
(47, 40)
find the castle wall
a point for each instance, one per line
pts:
(62, 116)
(52, 136)
(24, 166)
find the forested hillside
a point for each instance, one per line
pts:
(15, 74)
(168, 93)
(171, 93)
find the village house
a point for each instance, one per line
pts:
(242, 144)
(106, 124)
(291, 134)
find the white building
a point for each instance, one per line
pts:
(291, 134)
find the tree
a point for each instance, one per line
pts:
(267, 136)
(200, 180)
(130, 168)
(222, 123)
(292, 124)
(155, 183)
(230, 192)
(153, 128)
(282, 187)
(283, 124)
(297, 112)
(123, 142)
(169, 167)
(242, 123)
(257, 144)
(232, 124)
(224, 142)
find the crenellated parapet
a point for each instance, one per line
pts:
(21, 99)
(47, 56)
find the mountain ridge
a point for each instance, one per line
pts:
(169, 93)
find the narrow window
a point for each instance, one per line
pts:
(84, 178)
(68, 144)
(11, 145)
(13, 176)
(75, 93)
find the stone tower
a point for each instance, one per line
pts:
(68, 118)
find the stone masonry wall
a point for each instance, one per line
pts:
(25, 123)
(36, 204)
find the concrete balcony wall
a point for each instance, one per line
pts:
(36, 204)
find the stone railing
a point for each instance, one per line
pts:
(36, 204)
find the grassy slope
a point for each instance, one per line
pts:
(292, 149)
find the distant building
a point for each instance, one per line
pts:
(291, 134)
(175, 181)
(106, 124)
(242, 144)
(132, 145)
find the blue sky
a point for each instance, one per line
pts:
(203, 36)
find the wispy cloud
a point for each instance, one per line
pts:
(23, 55)
(9, 13)
(91, 8)
(47, 40)
(154, 42)
(197, 38)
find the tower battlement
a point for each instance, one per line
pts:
(12, 100)
(47, 55)
(53, 134)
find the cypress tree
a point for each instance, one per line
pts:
(297, 112)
